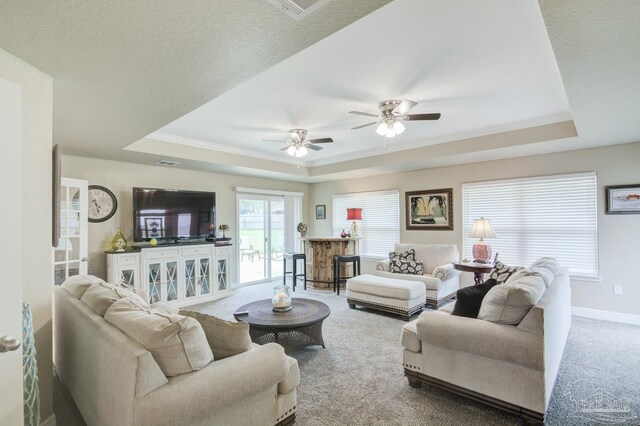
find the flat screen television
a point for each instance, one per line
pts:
(170, 215)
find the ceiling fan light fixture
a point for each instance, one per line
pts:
(390, 132)
(398, 127)
(297, 151)
(382, 128)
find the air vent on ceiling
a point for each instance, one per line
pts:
(297, 9)
(166, 163)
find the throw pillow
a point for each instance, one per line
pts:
(99, 297)
(165, 308)
(549, 263)
(177, 343)
(546, 275)
(226, 338)
(502, 272)
(381, 265)
(509, 303)
(78, 284)
(469, 299)
(403, 255)
(413, 267)
(441, 273)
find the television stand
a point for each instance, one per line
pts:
(182, 273)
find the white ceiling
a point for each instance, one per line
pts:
(452, 57)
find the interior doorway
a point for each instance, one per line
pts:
(261, 237)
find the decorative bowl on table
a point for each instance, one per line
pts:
(281, 298)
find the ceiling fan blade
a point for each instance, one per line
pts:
(364, 125)
(285, 148)
(273, 140)
(403, 107)
(366, 114)
(321, 140)
(313, 147)
(411, 117)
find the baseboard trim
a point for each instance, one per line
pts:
(606, 315)
(51, 421)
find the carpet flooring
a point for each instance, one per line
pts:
(358, 379)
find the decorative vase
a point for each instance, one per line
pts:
(119, 242)
(344, 234)
(281, 298)
(481, 252)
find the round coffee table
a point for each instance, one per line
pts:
(295, 329)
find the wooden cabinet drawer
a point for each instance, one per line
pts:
(222, 252)
(197, 251)
(163, 253)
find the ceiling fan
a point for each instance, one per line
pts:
(392, 111)
(298, 144)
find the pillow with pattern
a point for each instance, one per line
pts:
(502, 272)
(413, 267)
(403, 255)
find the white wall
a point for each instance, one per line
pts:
(120, 177)
(36, 209)
(619, 235)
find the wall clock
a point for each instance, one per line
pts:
(102, 204)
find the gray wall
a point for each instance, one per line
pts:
(619, 235)
(120, 177)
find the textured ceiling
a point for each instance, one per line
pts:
(451, 59)
(597, 47)
(122, 69)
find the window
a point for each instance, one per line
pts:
(552, 216)
(379, 228)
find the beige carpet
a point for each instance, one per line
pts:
(358, 379)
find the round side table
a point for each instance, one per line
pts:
(478, 269)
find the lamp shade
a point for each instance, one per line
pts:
(482, 229)
(354, 214)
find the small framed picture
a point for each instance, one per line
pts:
(321, 211)
(430, 210)
(623, 199)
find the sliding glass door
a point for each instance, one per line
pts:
(261, 229)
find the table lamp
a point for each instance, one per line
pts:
(353, 215)
(482, 229)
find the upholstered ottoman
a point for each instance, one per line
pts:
(401, 297)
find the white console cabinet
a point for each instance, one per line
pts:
(181, 275)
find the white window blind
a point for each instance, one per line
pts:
(379, 228)
(552, 216)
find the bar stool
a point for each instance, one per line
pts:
(295, 257)
(337, 262)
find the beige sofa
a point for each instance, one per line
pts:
(506, 366)
(441, 281)
(115, 381)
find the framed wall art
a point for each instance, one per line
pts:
(430, 210)
(623, 199)
(321, 211)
